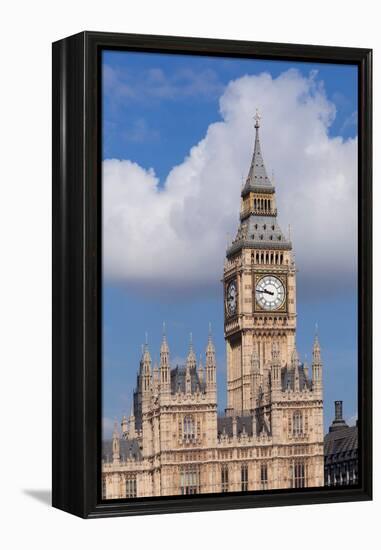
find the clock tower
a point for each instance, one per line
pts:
(259, 290)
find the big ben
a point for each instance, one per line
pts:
(259, 287)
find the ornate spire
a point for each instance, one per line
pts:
(164, 345)
(123, 425)
(210, 362)
(294, 358)
(254, 361)
(200, 371)
(317, 365)
(257, 176)
(145, 365)
(316, 348)
(155, 375)
(210, 347)
(191, 359)
(115, 443)
(116, 430)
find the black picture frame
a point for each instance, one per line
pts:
(77, 267)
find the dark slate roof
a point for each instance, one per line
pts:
(178, 380)
(225, 425)
(341, 444)
(259, 232)
(257, 176)
(128, 449)
(288, 378)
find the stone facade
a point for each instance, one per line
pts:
(271, 435)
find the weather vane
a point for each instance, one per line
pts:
(257, 117)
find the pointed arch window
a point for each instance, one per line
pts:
(224, 478)
(131, 491)
(189, 479)
(297, 474)
(189, 428)
(264, 478)
(297, 424)
(244, 477)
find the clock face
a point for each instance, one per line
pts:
(231, 298)
(270, 293)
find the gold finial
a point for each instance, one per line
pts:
(257, 117)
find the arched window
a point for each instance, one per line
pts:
(264, 478)
(244, 478)
(189, 431)
(224, 478)
(297, 424)
(131, 486)
(190, 479)
(297, 474)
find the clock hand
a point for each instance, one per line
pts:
(269, 292)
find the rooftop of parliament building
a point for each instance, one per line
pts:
(341, 451)
(195, 382)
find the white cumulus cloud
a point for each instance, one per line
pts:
(173, 237)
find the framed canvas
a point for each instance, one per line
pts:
(212, 281)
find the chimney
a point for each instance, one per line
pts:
(338, 411)
(339, 422)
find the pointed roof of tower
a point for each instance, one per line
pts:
(257, 176)
(258, 229)
(191, 359)
(146, 354)
(164, 344)
(115, 433)
(316, 348)
(210, 346)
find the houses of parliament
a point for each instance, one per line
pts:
(271, 435)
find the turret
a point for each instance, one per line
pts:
(131, 425)
(317, 366)
(200, 372)
(155, 378)
(210, 364)
(275, 367)
(115, 444)
(165, 374)
(255, 378)
(295, 368)
(146, 369)
(190, 367)
(124, 426)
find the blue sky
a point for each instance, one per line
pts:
(155, 109)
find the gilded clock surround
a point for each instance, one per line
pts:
(257, 276)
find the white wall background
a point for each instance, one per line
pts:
(27, 30)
